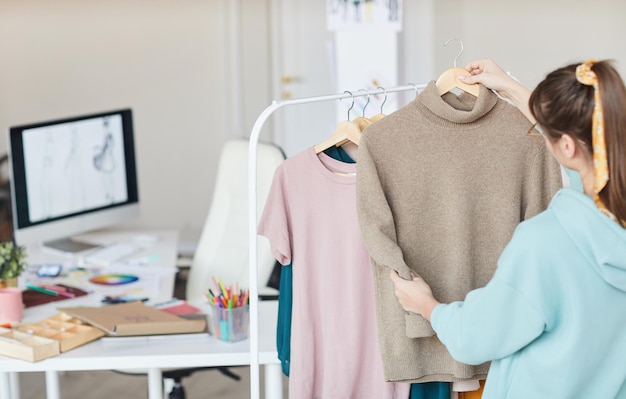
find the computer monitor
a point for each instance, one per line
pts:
(71, 176)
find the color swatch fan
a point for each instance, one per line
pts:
(113, 279)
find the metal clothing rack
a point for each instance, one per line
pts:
(252, 211)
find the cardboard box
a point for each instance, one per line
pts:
(135, 318)
(67, 330)
(25, 346)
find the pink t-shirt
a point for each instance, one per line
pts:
(310, 219)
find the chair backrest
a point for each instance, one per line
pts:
(222, 250)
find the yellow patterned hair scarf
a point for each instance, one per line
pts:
(586, 76)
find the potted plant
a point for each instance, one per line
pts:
(12, 263)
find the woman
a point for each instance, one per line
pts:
(552, 318)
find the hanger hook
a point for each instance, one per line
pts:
(414, 88)
(368, 100)
(352, 105)
(460, 52)
(385, 100)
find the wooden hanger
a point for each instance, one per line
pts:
(363, 122)
(449, 79)
(346, 131)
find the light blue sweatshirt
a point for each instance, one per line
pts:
(553, 318)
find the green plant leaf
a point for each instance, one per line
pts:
(12, 260)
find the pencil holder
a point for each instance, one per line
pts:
(230, 324)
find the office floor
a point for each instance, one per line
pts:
(109, 384)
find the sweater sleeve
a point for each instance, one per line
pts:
(504, 316)
(544, 179)
(376, 219)
(378, 230)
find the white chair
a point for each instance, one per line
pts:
(222, 249)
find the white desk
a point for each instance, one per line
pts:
(162, 247)
(155, 355)
(151, 354)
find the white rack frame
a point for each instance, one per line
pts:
(252, 211)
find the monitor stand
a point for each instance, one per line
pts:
(69, 246)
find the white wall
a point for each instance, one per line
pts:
(529, 38)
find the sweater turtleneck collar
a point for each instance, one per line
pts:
(464, 108)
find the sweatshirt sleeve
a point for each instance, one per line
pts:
(493, 322)
(376, 220)
(504, 316)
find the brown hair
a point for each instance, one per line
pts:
(563, 105)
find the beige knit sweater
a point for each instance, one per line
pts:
(441, 185)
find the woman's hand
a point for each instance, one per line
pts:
(488, 73)
(414, 295)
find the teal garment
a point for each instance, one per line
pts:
(430, 390)
(551, 319)
(283, 327)
(339, 154)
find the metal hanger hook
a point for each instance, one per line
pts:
(385, 100)
(414, 88)
(460, 52)
(352, 105)
(368, 100)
